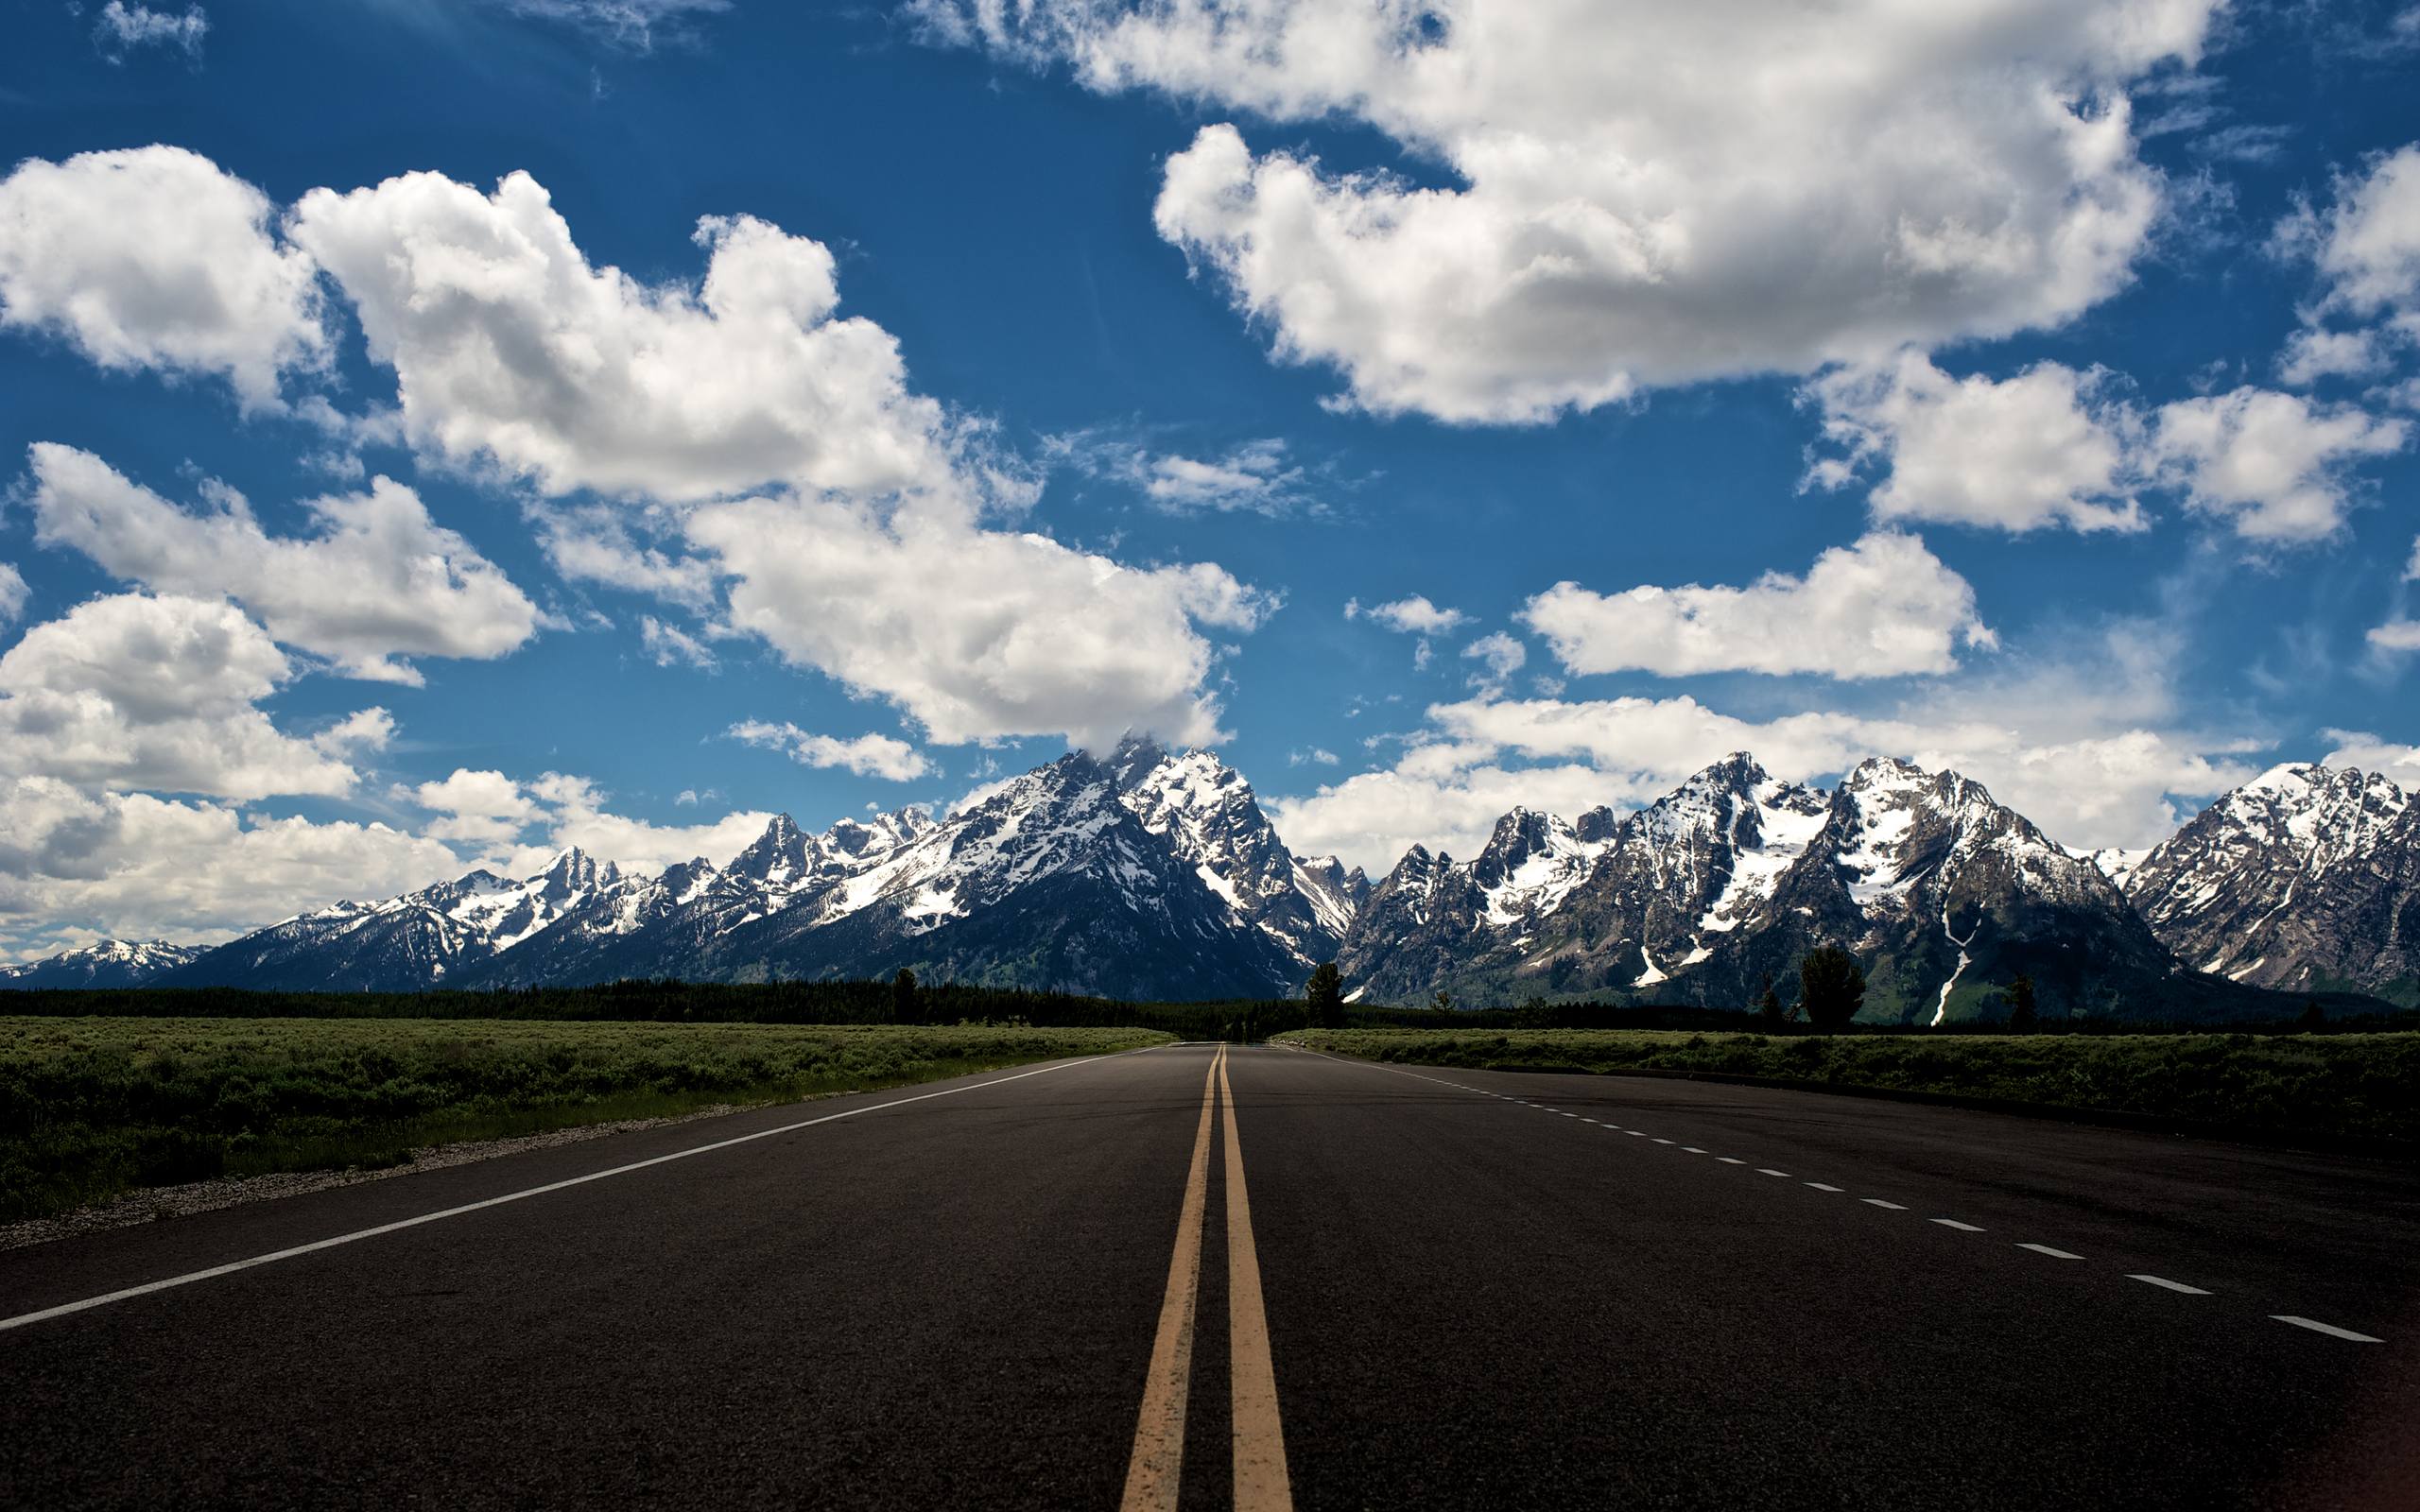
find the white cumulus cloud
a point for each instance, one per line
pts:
(134, 691)
(866, 755)
(2043, 447)
(977, 633)
(1645, 194)
(1884, 607)
(152, 257)
(510, 348)
(376, 580)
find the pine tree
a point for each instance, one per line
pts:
(903, 1006)
(1443, 1001)
(2022, 1016)
(1325, 995)
(1831, 986)
(1769, 1007)
(2314, 1017)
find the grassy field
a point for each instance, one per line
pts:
(92, 1108)
(2363, 1087)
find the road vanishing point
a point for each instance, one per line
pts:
(1255, 1276)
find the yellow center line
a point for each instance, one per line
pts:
(1261, 1483)
(1158, 1461)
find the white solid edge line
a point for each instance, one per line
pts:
(2055, 1254)
(1877, 1202)
(2164, 1282)
(1640, 1134)
(2329, 1329)
(1820, 1187)
(1767, 1170)
(231, 1267)
(1961, 1227)
(1730, 1159)
(1691, 1149)
(1663, 1142)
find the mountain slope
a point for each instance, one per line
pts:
(421, 939)
(2308, 878)
(110, 963)
(1729, 881)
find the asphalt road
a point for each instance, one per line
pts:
(1405, 1288)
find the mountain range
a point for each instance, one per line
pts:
(1147, 874)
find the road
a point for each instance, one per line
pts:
(1334, 1284)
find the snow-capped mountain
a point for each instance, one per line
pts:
(1206, 812)
(110, 963)
(1151, 874)
(424, 938)
(1702, 895)
(2307, 878)
(1147, 875)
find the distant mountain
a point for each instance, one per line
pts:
(1944, 894)
(421, 939)
(1153, 874)
(111, 963)
(1145, 875)
(2306, 879)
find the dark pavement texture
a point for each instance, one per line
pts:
(1471, 1303)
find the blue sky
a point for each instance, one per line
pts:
(2029, 388)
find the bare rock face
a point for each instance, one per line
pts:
(2305, 879)
(1725, 884)
(1153, 874)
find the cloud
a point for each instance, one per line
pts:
(977, 634)
(670, 645)
(2399, 634)
(152, 257)
(594, 545)
(633, 23)
(866, 755)
(14, 594)
(123, 28)
(497, 814)
(1884, 607)
(1500, 656)
(2313, 353)
(1411, 616)
(134, 865)
(1408, 616)
(2051, 446)
(141, 692)
(1251, 475)
(1314, 756)
(511, 349)
(2367, 244)
(1641, 195)
(2041, 448)
(377, 579)
(575, 816)
(2271, 465)
(2359, 748)
(1476, 758)
(483, 808)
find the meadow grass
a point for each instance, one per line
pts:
(94, 1108)
(2358, 1087)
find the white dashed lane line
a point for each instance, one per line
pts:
(2312, 1325)
(2329, 1329)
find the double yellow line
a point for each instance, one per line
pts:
(1153, 1474)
